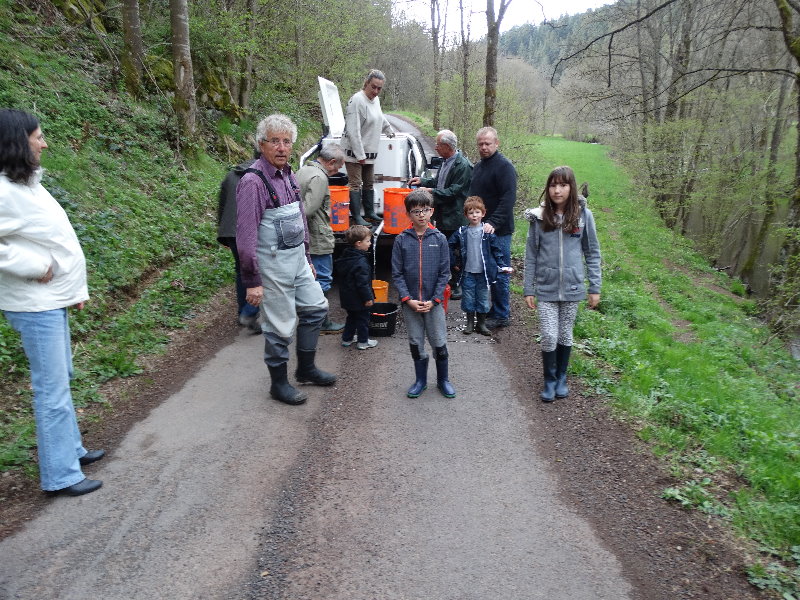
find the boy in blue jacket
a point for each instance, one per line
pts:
(420, 272)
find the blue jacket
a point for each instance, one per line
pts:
(554, 260)
(420, 267)
(491, 254)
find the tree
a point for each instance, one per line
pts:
(492, 37)
(183, 71)
(438, 32)
(132, 53)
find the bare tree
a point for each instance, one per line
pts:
(183, 71)
(492, 37)
(438, 34)
(132, 53)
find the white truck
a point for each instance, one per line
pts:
(399, 158)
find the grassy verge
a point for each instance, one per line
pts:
(683, 360)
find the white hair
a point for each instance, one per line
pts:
(276, 123)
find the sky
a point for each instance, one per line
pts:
(518, 12)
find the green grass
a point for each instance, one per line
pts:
(684, 360)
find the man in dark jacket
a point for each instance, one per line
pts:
(247, 315)
(494, 179)
(449, 187)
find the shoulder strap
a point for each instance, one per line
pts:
(270, 190)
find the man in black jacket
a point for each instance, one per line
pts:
(494, 179)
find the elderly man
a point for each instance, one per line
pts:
(450, 187)
(363, 124)
(316, 195)
(273, 244)
(494, 179)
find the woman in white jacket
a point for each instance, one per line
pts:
(42, 272)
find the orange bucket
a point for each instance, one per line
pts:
(381, 290)
(395, 219)
(340, 207)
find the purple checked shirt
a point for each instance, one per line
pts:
(252, 199)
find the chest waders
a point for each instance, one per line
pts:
(292, 298)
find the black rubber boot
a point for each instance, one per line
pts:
(549, 373)
(455, 290)
(562, 362)
(329, 326)
(369, 206)
(421, 371)
(480, 326)
(355, 209)
(281, 389)
(307, 371)
(470, 323)
(442, 381)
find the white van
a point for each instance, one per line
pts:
(399, 158)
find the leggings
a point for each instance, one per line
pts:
(556, 320)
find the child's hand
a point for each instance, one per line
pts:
(531, 302)
(593, 301)
(369, 303)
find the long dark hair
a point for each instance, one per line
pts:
(572, 209)
(16, 159)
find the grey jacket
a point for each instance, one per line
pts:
(554, 260)
(313, 182)
(421, 267)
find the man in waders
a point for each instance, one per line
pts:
(273, 244)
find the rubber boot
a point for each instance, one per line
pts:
(281, 389)
(442, 382)
(369, 206)
(307, 371)
(470, 323)
(455, 289)
(480, 327)
(329, 326)
(562, 362)
(421, 371)
(355, 209)
(549, 374)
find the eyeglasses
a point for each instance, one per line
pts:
(279, 142)
(418, 212)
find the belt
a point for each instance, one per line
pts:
(370, 155)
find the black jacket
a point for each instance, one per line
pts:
(226, 207)
(354, 276)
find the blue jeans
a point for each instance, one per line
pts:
(323, 263)
(474, 293)
(46, 341)
(357, 324)
(245, 309)
(501, 289)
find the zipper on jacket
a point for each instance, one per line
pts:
(561, 264)
(419, 239)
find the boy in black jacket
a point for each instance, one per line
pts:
(355, 286)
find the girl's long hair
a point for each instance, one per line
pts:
(572, 209)
(16, 159)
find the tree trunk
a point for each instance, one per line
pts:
(465, 32)
(185, 102)
(246, 83)
(436, 22)
(492, 37)
(132, 53)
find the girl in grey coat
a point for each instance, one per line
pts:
(561, 252)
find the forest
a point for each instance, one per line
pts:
(146, 103)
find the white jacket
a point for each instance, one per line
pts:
(35, 233)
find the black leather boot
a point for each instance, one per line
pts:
(421, 371)
(480, 326)
(369, 206)
(281, 389)
(307, 371)
(562, 362)
(549, 373)
(470, 323)
(355, 209)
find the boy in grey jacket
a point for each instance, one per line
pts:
(420, 272)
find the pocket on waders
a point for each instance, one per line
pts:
(290, 231)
